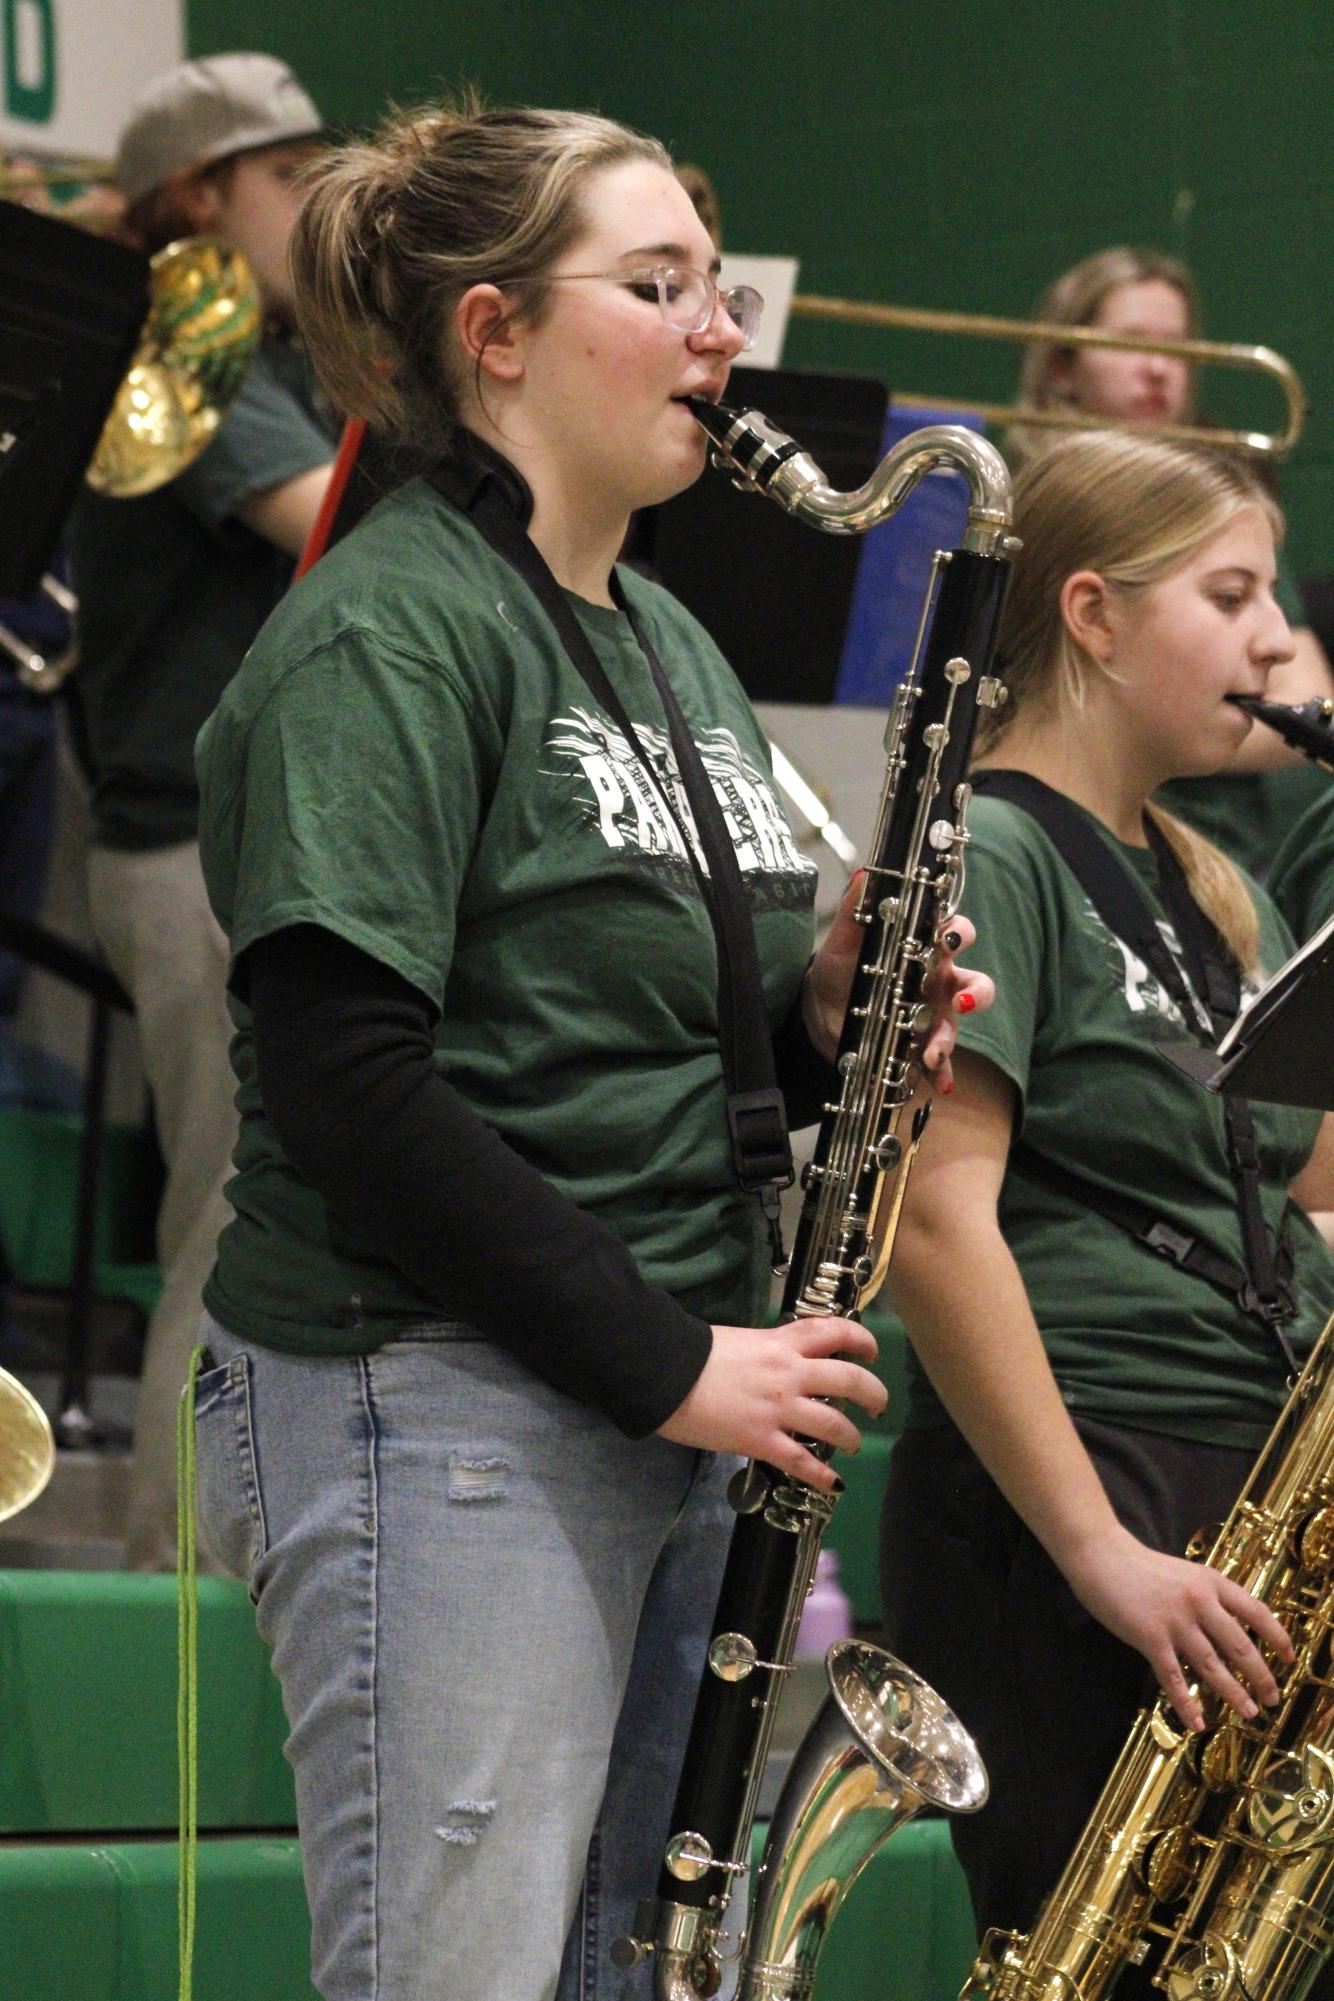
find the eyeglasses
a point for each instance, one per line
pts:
(686, 298)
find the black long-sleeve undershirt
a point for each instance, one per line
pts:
(350, 1085)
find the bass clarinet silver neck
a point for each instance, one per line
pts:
(762, 456)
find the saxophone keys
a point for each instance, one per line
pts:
(1221, 1759)
(1315, 1543)
(1167, 1869)
(1293, 1807)
(1208, 1972)
(732, 1656)
(688, 1857)
(748, 1488)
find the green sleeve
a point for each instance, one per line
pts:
(1003, 897)
(1301, 878)
(271, 434)
(360, 799)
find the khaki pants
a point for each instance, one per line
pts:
(151, 916)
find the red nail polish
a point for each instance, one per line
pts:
(965, 1004)
(947, 1087)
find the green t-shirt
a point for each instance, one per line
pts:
(1249, 813)
(1077, 1028)
(172, 589)
(1301, 878)
(409, 759)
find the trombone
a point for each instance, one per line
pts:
(984, 326)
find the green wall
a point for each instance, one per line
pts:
(934, 154)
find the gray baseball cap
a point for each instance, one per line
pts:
(206, 111)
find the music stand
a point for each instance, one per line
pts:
(71, 307)
(773, 595)
(1280, 1049)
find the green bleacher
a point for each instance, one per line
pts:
(88, 1796)
(88, 1810)
(39, 1176)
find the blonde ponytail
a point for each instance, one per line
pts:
(1216, 885)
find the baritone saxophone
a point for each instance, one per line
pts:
(1209, 1858)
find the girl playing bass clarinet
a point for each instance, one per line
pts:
(483, 1335)
(1080, 1404)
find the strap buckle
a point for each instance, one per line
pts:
(1167, 1242)
(761, 1151)
(762, 1154)
(1282, 1306)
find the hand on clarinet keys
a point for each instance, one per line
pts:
(763, 1390)
(950, 989)
(953, 991)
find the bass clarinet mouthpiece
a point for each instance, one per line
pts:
(746, 439)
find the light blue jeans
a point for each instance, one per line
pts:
(488, 1612)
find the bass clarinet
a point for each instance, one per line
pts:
(885, 1744)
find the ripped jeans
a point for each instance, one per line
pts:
(488, 1612)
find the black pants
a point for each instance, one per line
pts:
(974, 1604)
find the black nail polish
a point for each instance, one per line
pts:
(952, 940)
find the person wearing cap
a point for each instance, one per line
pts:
(172, 588)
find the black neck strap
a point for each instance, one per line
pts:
(1208, 993)
(493, 494)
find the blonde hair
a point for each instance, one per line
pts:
(1133, 509)
(704, 195)
(1074, 300)
(394, 230)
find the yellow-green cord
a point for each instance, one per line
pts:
(187, 1674)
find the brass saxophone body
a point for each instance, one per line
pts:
(1209, 1858)
(887, 1744)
